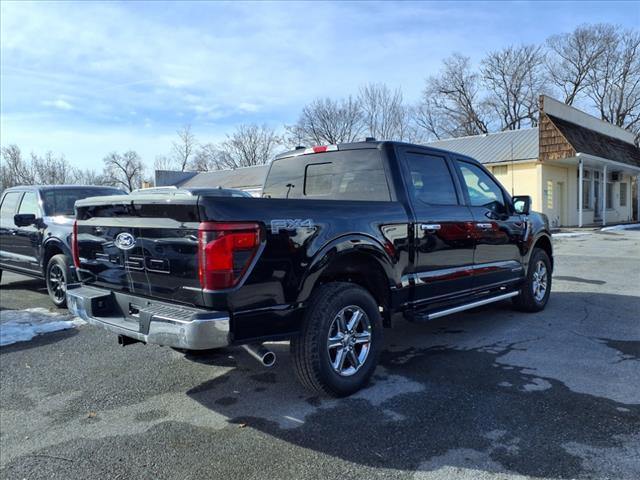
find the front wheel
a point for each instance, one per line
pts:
(339, 345)
(536, 289)
(57, 277)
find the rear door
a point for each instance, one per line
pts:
(498, 230)
(8, 229)
(443, 241)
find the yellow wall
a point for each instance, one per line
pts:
(554, 192)
(521, 179)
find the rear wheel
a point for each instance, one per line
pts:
(57, 278)
(536, 289)
(339, 346)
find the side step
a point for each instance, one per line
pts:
(466, 306)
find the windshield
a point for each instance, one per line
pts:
(61, 201)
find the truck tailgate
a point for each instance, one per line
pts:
(144, 246)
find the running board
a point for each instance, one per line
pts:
(467, 306)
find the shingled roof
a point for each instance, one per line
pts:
(584, 140)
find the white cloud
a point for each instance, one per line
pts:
(248, 107)
(58, 103)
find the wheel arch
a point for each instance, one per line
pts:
(49, 249)
(355, 259)
(543, 241)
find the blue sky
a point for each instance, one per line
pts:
(88, 78)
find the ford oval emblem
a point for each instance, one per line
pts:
(125, 241)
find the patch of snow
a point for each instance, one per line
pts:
(571, 234)
(23, 325)
(629, 226)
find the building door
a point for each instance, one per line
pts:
(560, 205)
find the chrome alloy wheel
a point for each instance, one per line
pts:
(57, 283)
(349, 340)
(540, 281)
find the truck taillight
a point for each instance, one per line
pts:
(74, 245)
(225, 251)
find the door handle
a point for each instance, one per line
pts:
(430, 227)
(13, 232)
(484, 226)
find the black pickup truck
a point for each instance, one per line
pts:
(346, 239)
(35, 232)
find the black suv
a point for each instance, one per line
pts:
(35, 231)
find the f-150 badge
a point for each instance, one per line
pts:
(290, 224)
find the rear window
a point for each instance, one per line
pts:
(61, 201)
(338, 175)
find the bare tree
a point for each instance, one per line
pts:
(89, 177)
(124, 169)
(249, 145)
(183, 148)
(385, 115)
(513, 77)
(163, 162)
(14, 170)
(327, 121)
(574, 57)
(615, 86)
(210, 157)
(53, 170)
(452, 106)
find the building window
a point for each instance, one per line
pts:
(623, 194)
(609, 195)
(586, 188)
(500, 169)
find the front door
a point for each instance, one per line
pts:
(443, 240)
(498, 229)
(28, 239)
(8, 229)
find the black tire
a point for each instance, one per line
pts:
(530, 298)
(57, 276)
(310, 350)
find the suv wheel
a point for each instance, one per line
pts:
(57, 276)
(535, 291)
(340, 341)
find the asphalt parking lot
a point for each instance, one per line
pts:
(486, 394)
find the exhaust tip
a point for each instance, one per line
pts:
(261, 353)
(269, 359)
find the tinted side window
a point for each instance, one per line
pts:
(431, 181)
(9, 204)
(338, 175)
(482, 189)
(29, 204)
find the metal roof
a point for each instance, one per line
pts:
(511, 145)
(247, 177)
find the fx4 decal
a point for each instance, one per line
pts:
(278, 224)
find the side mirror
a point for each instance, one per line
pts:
(24, 219)
(522, 204)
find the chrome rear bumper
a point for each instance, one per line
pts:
(150, 321)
